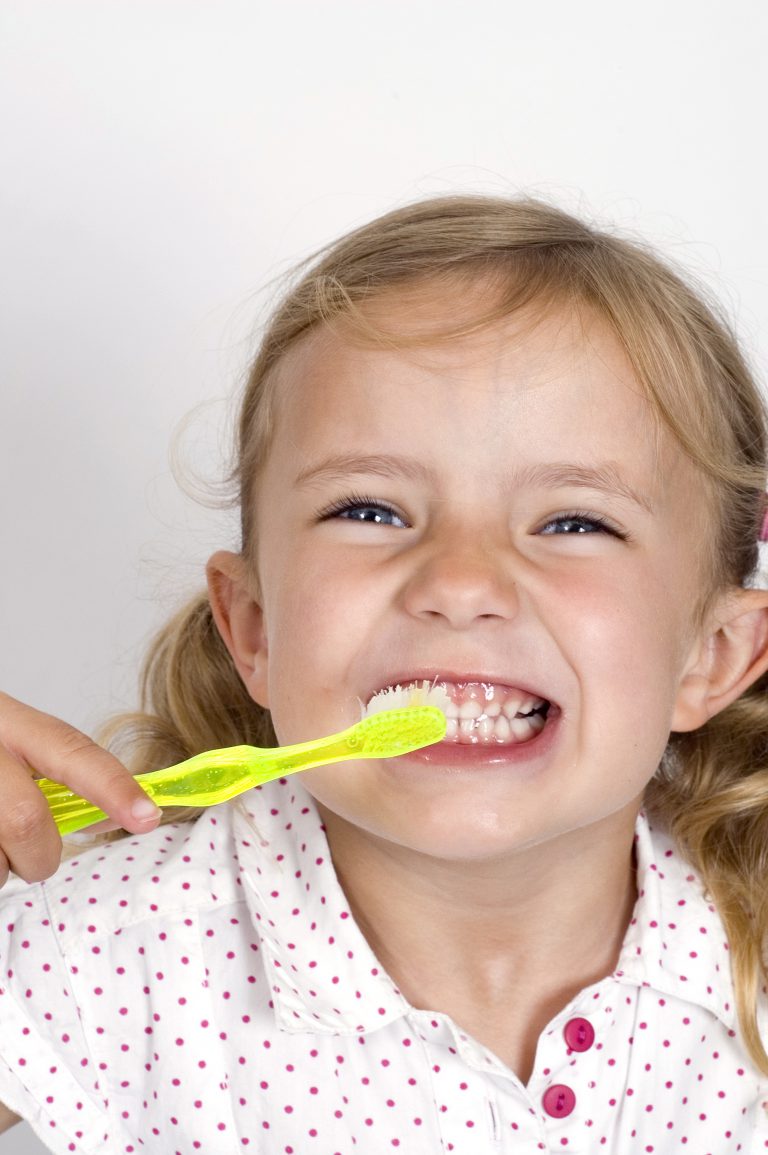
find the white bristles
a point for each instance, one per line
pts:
(398, 697)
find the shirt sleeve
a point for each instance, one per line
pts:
(47, 1074)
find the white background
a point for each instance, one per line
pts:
(163, 161)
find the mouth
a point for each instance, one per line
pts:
(479, 713)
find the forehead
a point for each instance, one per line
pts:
(551, 375)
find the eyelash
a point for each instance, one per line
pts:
(592, 519)
(358, 501)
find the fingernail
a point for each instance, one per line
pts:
(144, 809)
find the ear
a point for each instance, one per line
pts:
(240, 620)
(727, 658)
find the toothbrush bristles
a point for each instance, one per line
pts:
(398, 697)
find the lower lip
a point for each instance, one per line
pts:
(454, 756)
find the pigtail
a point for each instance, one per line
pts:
(711, 793)
(192, 699)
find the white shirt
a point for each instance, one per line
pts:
(204, 988)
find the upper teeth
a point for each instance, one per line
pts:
(509, 703)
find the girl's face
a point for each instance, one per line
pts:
(500, 509)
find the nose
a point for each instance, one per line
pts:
(461, 585)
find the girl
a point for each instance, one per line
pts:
(487, 445)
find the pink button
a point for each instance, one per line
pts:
(579, 1034)
(558, 1101)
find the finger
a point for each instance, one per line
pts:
(30, 845)
(4, 869)
(59, 751)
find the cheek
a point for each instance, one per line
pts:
(317, 600)
(627, 632)
(317, 624)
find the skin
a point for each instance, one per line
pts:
(454, 872)
(7, 1119)
(29, 841)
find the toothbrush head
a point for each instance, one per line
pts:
(388, 733)
(399, 719)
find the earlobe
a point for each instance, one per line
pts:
(726, 661)
(240, 620)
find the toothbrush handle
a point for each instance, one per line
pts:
(70, 811)
(207, 778)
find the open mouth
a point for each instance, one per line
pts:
(482, 713)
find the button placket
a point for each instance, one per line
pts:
(559, 1100)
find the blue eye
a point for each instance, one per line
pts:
(578, 523)
(364, 509)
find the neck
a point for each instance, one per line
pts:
(499, 945)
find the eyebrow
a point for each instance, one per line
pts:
(339, 466)
(604, 477)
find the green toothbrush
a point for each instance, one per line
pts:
(218, 775)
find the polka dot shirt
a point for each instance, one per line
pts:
(205, 989)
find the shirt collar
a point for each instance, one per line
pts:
(325, 977)
(676, 941)
(323, 974)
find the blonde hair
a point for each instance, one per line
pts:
(712, 788)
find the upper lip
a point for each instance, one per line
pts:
(432, 674)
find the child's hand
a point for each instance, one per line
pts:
(30, 845)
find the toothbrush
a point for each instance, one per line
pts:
(218, 775)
